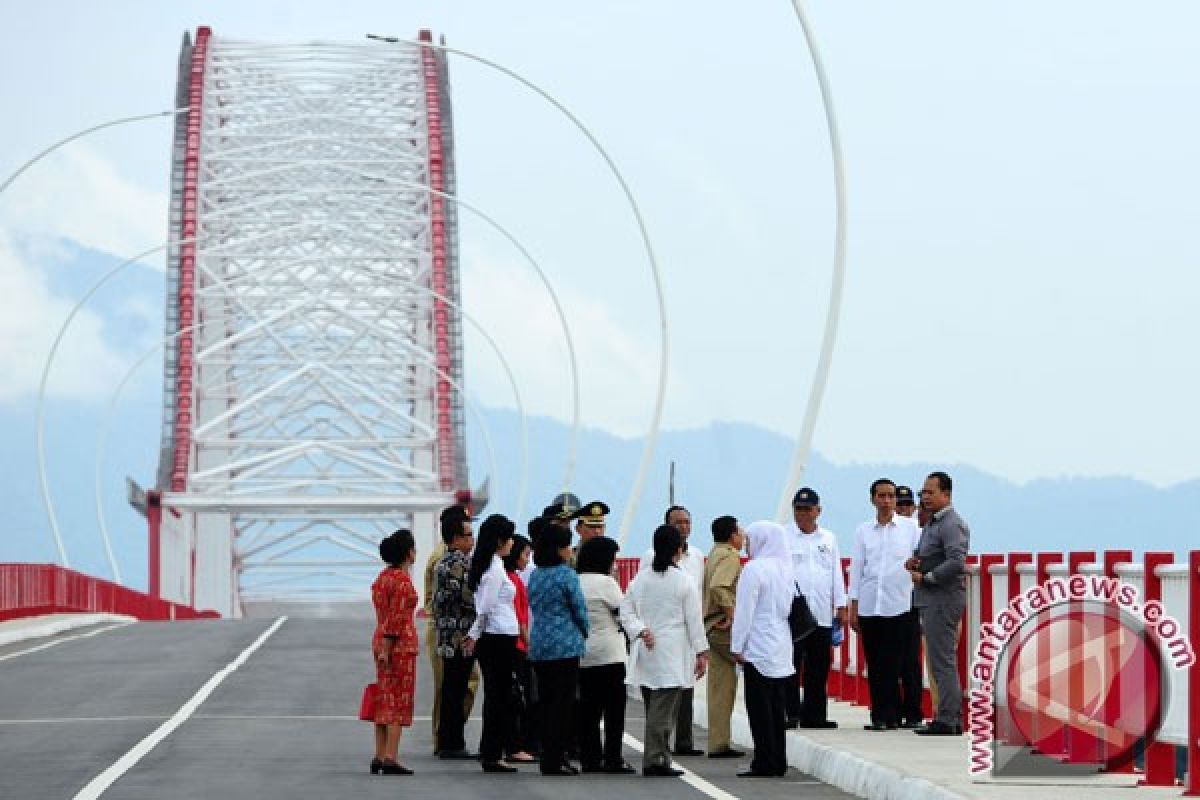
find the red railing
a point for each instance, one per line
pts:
(997, 578)
(28, 590)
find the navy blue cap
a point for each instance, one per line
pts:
(806, 497)
(904, 496)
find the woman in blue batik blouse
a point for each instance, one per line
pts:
(556, 642)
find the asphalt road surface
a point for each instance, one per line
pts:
(281, 724)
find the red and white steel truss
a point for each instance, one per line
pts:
(312, 409)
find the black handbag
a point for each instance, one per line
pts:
(801, 619)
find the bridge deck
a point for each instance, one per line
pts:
(282, 725)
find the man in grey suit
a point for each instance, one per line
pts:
(940, 594)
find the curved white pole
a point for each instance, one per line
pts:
(652, 436)
(79, 134)
(832, 315)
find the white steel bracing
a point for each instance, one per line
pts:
(308, 414)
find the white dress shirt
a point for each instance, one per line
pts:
(817, 563)
(494, 608)
(605, 641)
(691, 562)
(667, 603)
(878, 579)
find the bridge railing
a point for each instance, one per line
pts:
(30, 589)
(994, 579)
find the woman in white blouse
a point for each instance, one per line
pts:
(493, 637)
(602, 668)
(762, 643)
(661, 615)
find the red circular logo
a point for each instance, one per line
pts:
(1085, 682)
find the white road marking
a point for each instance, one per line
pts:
(287, 718)
(99, 784)
(64, 640)
(688, 777)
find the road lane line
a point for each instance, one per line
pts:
(65, 640)
(99, 784)
(688, 777)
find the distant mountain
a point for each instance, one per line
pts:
(736, 468)
(725, 468)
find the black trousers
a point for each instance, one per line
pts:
(557, 681)
(910, 669)
(528, 718)
(455, 673)
(812, 657)
(601, 697)
(765, 699)
(884, 645)
(497, 654)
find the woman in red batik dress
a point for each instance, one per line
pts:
(394, 646)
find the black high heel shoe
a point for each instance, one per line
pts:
(392, 768)
(376, 766)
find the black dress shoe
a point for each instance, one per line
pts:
(754, 773)
(820, 724)
(691, 751)
(938, 728)
(376, 766)
(911, 723)
(875, 726)
(728, 752)
(791, 723)
(496, 766)
(562, 770)
(457, 755)
(891, 726)
(661, 772)
(619, 769)
(392, 768)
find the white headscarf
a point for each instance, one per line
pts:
(771, 562)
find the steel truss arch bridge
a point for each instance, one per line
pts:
(292, 442)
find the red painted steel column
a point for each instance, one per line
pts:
(154, 551)
(1193, 746)
(447, 443)
(964, 658)
(184, 406)
(1111, 559)
(1160, 757)
(1079, 751)
(843, 689)
(1051, 743)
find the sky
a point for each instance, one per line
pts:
(1021, 267)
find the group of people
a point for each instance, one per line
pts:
(557, 641)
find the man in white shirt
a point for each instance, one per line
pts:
(817, 564)
(910, 661)
(692, 563)
(880, 596)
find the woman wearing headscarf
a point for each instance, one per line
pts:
(762, 644)
(556, 642)
(494, 636)
(661, 615)
(394, 646)
(602, 669)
